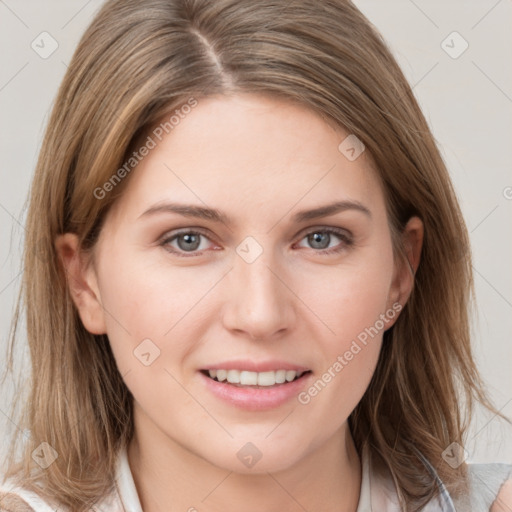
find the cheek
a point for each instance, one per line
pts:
(352, 303)
(150, 302)
(350, 298)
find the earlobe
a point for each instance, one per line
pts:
(82, 283)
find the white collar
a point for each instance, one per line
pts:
(126, 485)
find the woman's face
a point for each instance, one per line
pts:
(247, 239)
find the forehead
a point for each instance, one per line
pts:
(253, 155)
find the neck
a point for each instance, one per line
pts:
(167, 474)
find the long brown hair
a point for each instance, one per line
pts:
(140, 61)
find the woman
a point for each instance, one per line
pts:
(252, 276)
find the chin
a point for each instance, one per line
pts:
(267, 464)
(259, 456)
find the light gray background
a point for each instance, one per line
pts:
(467, 102)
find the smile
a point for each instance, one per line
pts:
(255, 391)
(244, 378)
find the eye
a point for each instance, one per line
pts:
(324, 240)
(186, 242)
(193, 242)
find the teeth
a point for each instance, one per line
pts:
(233, 376)
(266, 378)
(290, 375)
(280, 376)
(248, 378)
(245, 378)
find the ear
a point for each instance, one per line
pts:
(82, 282)
(404, 272)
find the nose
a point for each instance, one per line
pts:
(259, 303)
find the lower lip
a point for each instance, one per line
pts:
(256, 399)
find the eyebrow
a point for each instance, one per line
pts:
(331, 209)
(200, 212)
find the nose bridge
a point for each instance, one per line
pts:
(258, 302)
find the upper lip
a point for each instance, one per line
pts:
(256, 366)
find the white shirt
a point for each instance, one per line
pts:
(378, 492)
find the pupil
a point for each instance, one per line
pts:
(191, 242)
(319, 240)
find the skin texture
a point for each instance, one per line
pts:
(503, 501)
(260, 160)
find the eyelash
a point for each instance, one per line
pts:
(346, 238)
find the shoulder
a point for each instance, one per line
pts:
(11, 502)
(503, 502)
(16, 499)
(490, 488)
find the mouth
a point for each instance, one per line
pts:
(255, 380)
